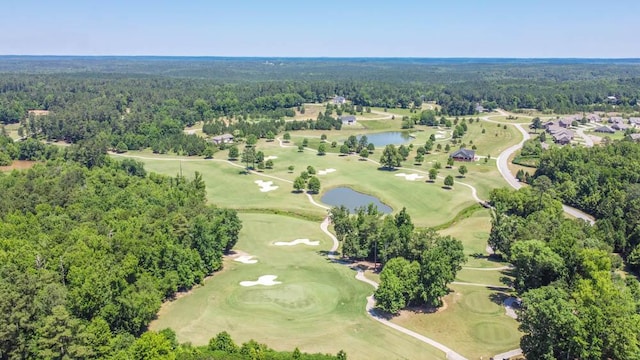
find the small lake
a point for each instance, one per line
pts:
(352, 200)
(388, 138)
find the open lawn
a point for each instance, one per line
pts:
(12, 130)
(495, 139)
(228, 186)
(311, 111)
(473, 323)
(520, 119)
(618, 135)
(195, 129)
(474, 233)
(318, 307)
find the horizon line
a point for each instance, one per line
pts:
(317, 57)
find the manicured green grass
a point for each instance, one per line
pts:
(473, 323)
(618, 135)
(319, 307)
(396, 111)
(473, 232)
(12, 130)
(521, 119)
(227, 186)
(495, 139)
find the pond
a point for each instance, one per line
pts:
(388, 138)
(352, 199)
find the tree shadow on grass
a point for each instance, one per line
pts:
(447, 187)
(490, 257)
(498, 297)
(388, 169)
(507, 281)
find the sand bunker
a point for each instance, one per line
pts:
(265, 185)
(296, 242)
(410, 177)
(510, 304)
(270, 157)
(246, 259)
(266, 280)
(325, 171)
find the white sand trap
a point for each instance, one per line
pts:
(265, 185)
(296, 242)
(439, 136)
(266, 280)
(270, 157)
(325, 171)
(410, 177)
(246, 259)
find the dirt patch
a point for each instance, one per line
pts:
(413, 310)
(38, 112)
(18, 165)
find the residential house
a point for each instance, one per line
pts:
(339, 100)
(619, 126)
(604, 129)
(550, 124)
(560, 134)
(594, 118)
(222, 139)
(562, 139)
(463, 155)
(347, 119)
(480, 109)
(565, 122)
(616, 120)
(635, 137)
(634, 121)
(612, 99)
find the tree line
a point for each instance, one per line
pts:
(149, 110)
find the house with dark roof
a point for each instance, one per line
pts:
(616, 120)
(339, 100)
(347, 119)
(562, 139)
(222, 139)
(560, 135)
(604, 129)
(463, 155)
(565, 122)
(619, 126)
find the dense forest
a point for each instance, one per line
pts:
(88, 255)
(577, 303)
(602, 181)
(146, 103)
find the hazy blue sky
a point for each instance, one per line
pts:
(399, 28)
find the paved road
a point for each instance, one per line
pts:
(503, 167)
(508, 354)
(501, 287)
(588, 142)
